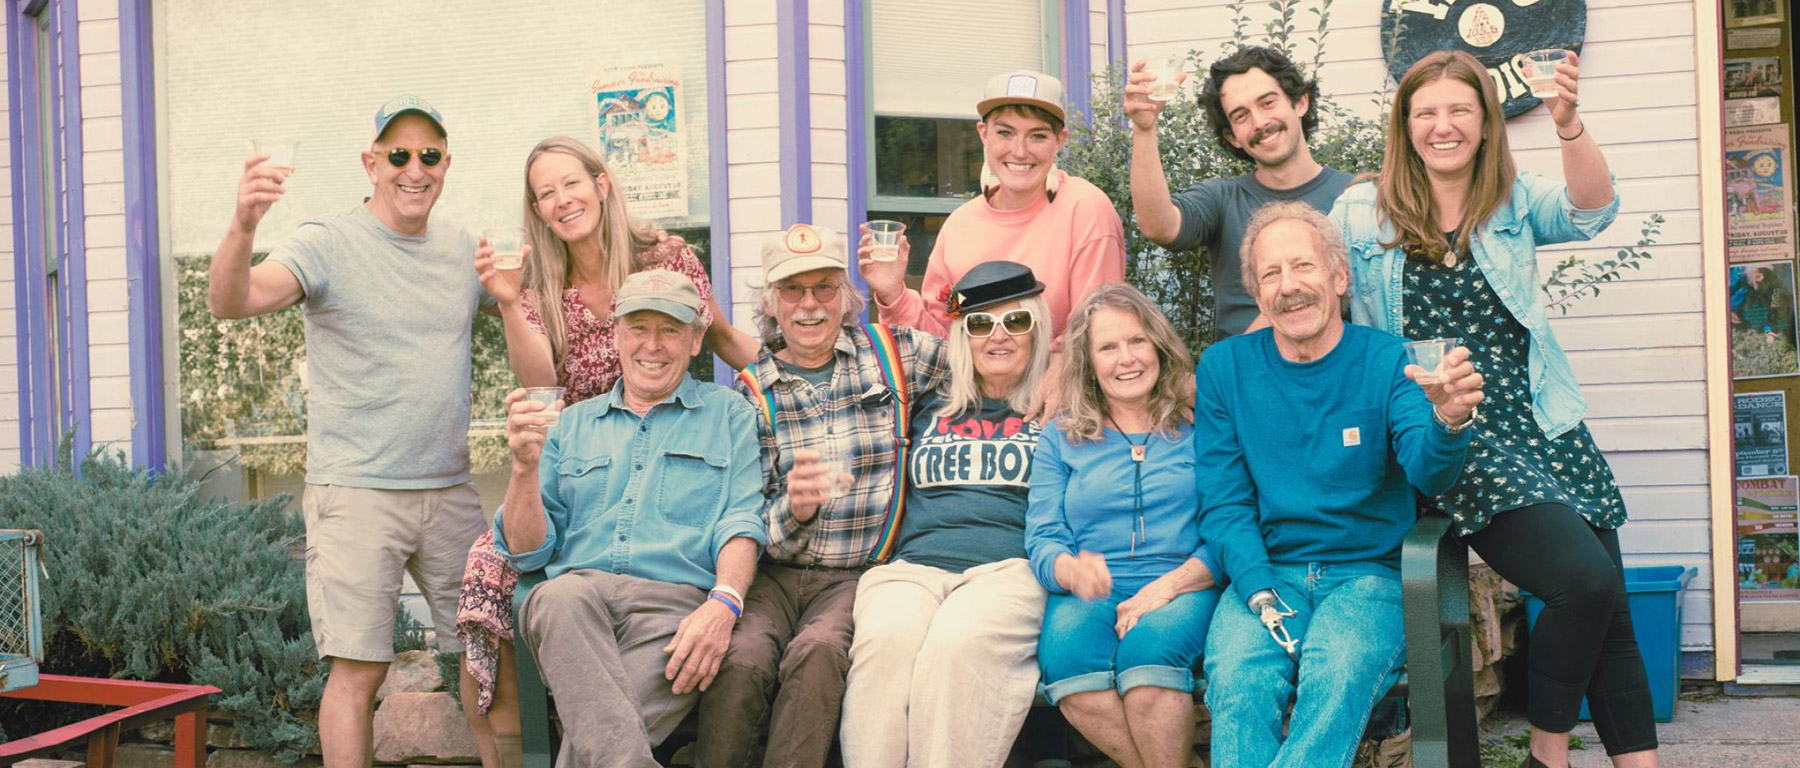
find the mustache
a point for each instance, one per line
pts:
(1296, 300)
(1265, 132)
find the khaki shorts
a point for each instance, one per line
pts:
(358, 542)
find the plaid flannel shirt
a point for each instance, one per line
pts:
(844, 531)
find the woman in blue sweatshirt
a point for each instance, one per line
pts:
(1443, 243)
(1113, 536)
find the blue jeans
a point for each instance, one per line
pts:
(1352, 640)
(1080, 651)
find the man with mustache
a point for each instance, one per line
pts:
(833, 397)
(1261, 108)
(1310, 441)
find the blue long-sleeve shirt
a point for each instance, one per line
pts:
(655, 497)
(1081, 499)
(1316, 461)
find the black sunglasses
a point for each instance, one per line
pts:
(428, 156)
(981, 324)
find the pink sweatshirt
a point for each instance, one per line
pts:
(1072, 245)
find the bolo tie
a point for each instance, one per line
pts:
(1139, 452)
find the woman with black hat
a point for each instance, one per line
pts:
(1131, 588)
(943, 665)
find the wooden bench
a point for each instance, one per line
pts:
(1438, 682)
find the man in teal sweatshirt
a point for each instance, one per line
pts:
(1311, 437)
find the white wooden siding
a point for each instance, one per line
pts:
(753, 143)
(1637, 348)
(110, 411)
(9, 330)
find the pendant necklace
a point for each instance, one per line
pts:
(1139, 452)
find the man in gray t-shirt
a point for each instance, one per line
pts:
(389, 298)
(1260, 106)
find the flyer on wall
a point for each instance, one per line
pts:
(1759, 433)
(638, 128)
(1768, 538)
(1746, 13)
(1759, 189)
(1763, 341)
(1753, 77)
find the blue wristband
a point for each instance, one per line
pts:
(736, 612)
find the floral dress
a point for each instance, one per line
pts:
(1511, 464)
(590, 367)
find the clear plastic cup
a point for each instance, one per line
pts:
(886, 235)
(509, 247)
(1429, 354)
(1539, 68)
(1168, 70)
(551, 397)
(280, 151)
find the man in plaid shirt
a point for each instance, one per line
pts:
(828, 456)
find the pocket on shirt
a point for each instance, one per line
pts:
(692, 486)
(1352, 451)
(583, 481)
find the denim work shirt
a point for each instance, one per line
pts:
(655, 497)
(1505, 248)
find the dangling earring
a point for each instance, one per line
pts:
(988, 179)
(1052, 181)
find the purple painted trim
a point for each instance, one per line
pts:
(27, 240)
(856, 121)
(1077, 57)
(792, 24)
(1115, 34)
(143, 257)
(718, 174)
(72, 261)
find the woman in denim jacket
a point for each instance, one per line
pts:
(1443, 243)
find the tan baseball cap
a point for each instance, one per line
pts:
(802, 248)
(1022, 87)
(659, 290)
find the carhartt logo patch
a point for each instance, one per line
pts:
(1352, 436)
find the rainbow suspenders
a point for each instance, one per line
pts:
(893, 373)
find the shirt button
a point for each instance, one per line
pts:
(643, 427)
(640, 467)
(621, 537)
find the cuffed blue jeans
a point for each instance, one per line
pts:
(1081, 651)
(1352, 639)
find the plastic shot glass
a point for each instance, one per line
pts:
(551, 397)
(1168, 71)
(509, 247)
(1539, 68)
(1429, 354)
(280, 151)
(887, 239)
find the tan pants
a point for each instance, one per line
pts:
(943, 666)
(598, 638)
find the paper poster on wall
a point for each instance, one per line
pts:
(1753, 38)
(1762, 320)
(1742, 112)
(1753, 77)
(1759, 433)
(1768, 538)
(1749, 13)
(638, 128)
(1759, 191)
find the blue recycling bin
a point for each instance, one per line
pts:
(1655, 593)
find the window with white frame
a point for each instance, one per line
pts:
(929, 62)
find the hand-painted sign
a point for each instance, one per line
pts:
(1494, 32)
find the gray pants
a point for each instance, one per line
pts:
(598, 639)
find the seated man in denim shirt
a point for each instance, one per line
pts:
(651, 496)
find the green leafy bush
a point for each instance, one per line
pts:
(146, 580)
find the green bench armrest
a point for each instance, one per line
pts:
(1434, 576)
(534, 699)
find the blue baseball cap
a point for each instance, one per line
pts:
(400, 105)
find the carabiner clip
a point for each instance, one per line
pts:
(1271, 618)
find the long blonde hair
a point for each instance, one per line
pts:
(962, 391)
(547, 271)
(1084, 405)
(1403, 190)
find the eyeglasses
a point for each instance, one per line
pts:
(429, 156)
(822, 292)
(981, 324)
